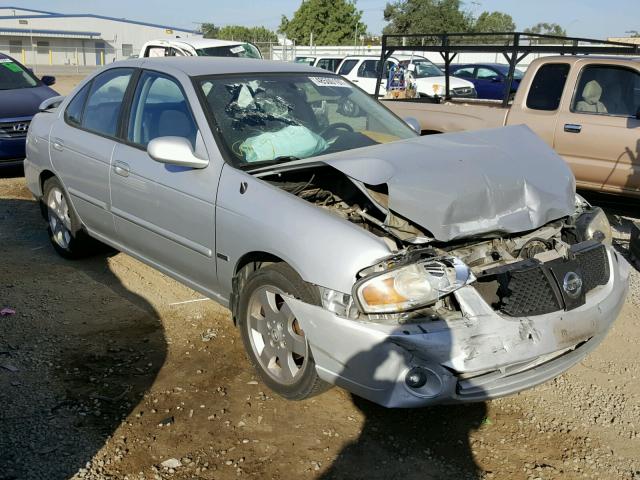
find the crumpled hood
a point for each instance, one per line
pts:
(23, 102)
(458, 185)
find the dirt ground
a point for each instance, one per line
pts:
(109, 368)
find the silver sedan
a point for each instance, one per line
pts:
(409, 270)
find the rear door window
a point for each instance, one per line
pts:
(484, 73)
(104, 104)
(368, 69)
(329, 64)
(347, 66)
(466, 72)
(547, 87)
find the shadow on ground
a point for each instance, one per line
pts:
(425, 443)
(75, 359)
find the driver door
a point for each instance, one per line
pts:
(164, 213)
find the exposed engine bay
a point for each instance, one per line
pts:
(517, 274)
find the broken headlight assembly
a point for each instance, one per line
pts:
(594, 225)
(411, 286)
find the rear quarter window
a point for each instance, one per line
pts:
(73, 113)
(547, 87)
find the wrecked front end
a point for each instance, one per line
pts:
(497, 280)
(512, 313)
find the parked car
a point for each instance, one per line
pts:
(21, 92)
(586, 107)
(489, 79)
(409, 270)
(326, 63)
(430, 80)
(199, 47)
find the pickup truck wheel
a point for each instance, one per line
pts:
(65, 230)
(275, 342)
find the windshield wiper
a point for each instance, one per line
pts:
(267, 163)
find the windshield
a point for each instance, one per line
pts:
(13, 76)
(425, 68)
(285, 117)
(246, 50)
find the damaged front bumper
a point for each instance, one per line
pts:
(484, 355)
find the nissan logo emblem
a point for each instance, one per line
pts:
(20, 127)
(572, 284)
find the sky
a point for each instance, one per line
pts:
(584, 18)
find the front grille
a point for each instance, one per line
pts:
(14, 129)
(463, 91)
(528, 292)
(530, 287)
(595, 267)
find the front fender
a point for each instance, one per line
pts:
(323, 248)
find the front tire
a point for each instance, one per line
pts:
(273, 338)
(64, 227)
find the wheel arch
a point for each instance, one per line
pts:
(247, 264)
(44, 176)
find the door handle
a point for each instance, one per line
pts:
(121, 169)
(355, 80)
(572, 128)
(58, 145)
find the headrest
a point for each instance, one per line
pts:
(592, 92)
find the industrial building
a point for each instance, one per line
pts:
(44, 39)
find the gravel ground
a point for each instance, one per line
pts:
(106, 372)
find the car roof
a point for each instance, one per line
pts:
(195, 66)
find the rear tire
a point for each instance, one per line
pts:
(64, 227)
(272, 336)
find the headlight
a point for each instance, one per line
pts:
(594, 224)
(411, 286)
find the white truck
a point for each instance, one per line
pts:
(199, 47)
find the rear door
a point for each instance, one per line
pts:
(82, 143)
(489, 83)
(164, 213)
(597, 130)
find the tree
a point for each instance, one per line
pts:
(426, 16)
(332, 22)
(209, 30)
(494, 22)
(239, 33)
(547, 29)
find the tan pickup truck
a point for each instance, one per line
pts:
(587, 108)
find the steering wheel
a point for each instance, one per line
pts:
(333, 128)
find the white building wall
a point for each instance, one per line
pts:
(116, 40)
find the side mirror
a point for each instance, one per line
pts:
(50, 103)
(48, 80)
(496, 79)
(175, 151)
(414, 124)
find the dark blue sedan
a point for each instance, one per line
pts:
(21, 92)
(490, 79)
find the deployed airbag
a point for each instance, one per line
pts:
(294, 141)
